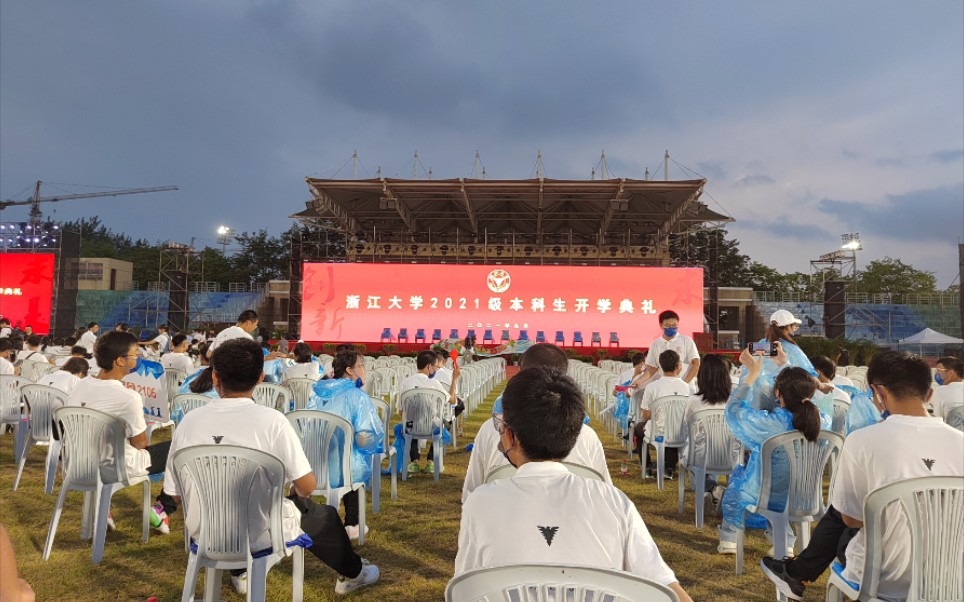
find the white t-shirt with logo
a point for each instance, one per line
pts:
(681, 344)
(667, 385)
(231, 332)
(310, 370)
(486, 457)
(899, 448)
(61, 379)
(178, 361)
(241, 422)
(545, 514)
(112, 397)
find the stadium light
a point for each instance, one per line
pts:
(851, 242)
(224, 235)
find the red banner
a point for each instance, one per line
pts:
(26, 289)
(355, 302)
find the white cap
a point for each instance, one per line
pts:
(782, 317)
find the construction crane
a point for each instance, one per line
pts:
(36, 215)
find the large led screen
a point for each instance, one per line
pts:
(355, 302)
(26, 289)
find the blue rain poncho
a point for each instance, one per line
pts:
(621, 411)
(862, 411)
(339, 396)
(752, 427)
(274, 370)
(762, 397)
(177, 415)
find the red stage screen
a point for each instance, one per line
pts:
(354, 302)
(26, 289)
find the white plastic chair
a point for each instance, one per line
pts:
(300, 389)
(713, 457)
(840, 408)
(384, 412)
(955, 417)
(271, 395)
(317, 430)
(185, 402)
(508, 470)
(222, 479)
(807, 463)
(41, 401)
(423, 412)
(88, 436)
(934, 510)
(554, 583)
(10, 412)
(666, 430)
(34, 370)
(174, 378)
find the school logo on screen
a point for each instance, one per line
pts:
(498, 281)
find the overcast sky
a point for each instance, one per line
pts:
(808, 119)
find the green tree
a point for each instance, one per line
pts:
(261, 258)
(890, 275)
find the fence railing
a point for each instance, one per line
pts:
(941, 299)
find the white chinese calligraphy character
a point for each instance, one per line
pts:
(373, 302)
(582, 305)
(538, 304)
(352, 302)
(626, 306)
(515, 304)
(415, 301)
(603, 305)
(495, 303)
(558, 304)
(646, 306)
(394, 303)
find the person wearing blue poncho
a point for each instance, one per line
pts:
(343, 396)
(793, 389)
(782, 327)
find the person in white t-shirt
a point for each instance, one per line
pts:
(234, 419)
(908, 444)
(950, 392)
(32, 352)
(627, 376)
(70, 374)
(670, 340)
(178, 357)
(5, 330)
(546, 514)
(89, 338)
(247, 323)
(826, 373)
(305, 366)
(486, 457)
(669, 383)
(80, 352)
(160, 342)
(427, 364)
(6, 351)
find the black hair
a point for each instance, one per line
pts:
(442, 354)
(6, 344)
(202, 351)
(34, 340)
(667, 315)
(777, 333)
(238, 364)
(76, 365)
(112, 345)
(545, 355)
(302, 353)
(91, 325)
(954, 364)
(161, 327)
(344, 347)
(797, 387)
(5, 321)
(904, 374)
(714, 379)
(668, 360)
(70, 341)
(825, 365)
(638, 358)
(248, 315)
(343, 361)
(177, 340)
(204, 381)
(425, 358)
(544, 408)
(78, 350)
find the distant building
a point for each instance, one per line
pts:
(104, 274)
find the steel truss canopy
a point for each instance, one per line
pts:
(590, 211)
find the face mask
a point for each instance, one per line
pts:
(670, 332)
(505, 454)
(134, 367)
(939, 379)
(359, 383)
(432, 375)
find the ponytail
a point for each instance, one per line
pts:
(796, 388)
(204, 381)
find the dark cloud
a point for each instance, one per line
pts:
(786, 227)
(934, 214)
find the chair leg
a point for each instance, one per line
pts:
(20, 432)
(779, 529)
(212, 584)
(87, 516)
(23, 460)
(361, 515)
(394, 470)
(100, 522)
(190, 578)
(681, 497)
(376, 483)
(146, 513)
(739, 551)
(257, 579)
(298, 575)
(698, 484)
(439, 455)
(660, 456)
(804, 539)
(53, 459)
(406, 446)
(54, 521)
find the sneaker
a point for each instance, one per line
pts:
(429, 466)
(368, 576)
(776, 570)
(727, 541)
(669, 475)
(413, 467)
(110, 521)
(353, 530)
(240, 583)
(159, 519)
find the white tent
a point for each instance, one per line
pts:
(930, 337)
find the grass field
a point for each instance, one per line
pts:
(413, 540)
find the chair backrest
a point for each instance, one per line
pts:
(424, 409)
(554, 583)
(540, 336)
(807, 462)
(221, 479)
(384, 410)
(596, 338)
(955, 417)
(840, 408)
(34, 369)
(300, 389)
(317, 430)
(185, 402)
(271, 395)
(716, 454)
(42, 400)
(42, 369)
(10, 397)
(174, 378)
(505, 335)
(934, 510)
(93, 446)
(667, 417)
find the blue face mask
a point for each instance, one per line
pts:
(134, 368)
(939, 379)
(432, 375)
(359, 383)
(670, 332)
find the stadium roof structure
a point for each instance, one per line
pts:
(588, 209)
